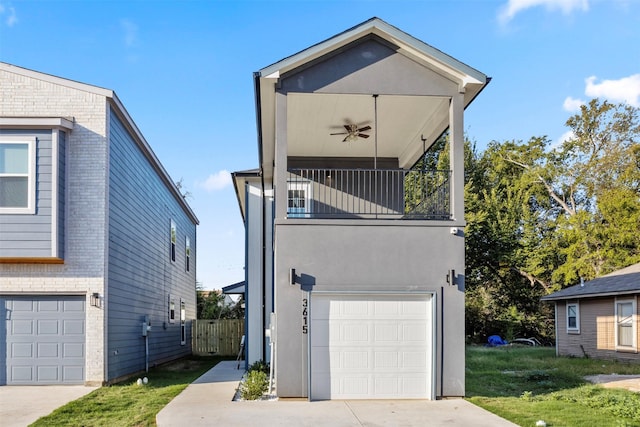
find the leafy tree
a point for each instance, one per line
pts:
(211, 305)
(539, 218)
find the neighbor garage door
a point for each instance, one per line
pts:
(45, 339)
(371, 346)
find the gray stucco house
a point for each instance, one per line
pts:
(96, 241)
(354, 257)
(600, 318)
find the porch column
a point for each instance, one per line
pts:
(456, 155)
(280, 158)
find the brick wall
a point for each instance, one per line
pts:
(83, 270)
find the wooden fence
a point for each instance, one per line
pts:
(217, 337)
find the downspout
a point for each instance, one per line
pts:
(256, 81)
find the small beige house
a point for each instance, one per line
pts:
(600, 318)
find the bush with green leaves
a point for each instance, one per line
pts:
(259, 365)
(254, 385)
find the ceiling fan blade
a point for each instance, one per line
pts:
(363, 129)
(345, 138)
(340, 133)
(349, 128)
(362, 135)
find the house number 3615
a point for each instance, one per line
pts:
(305, 311)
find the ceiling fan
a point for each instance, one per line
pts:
(353, 132)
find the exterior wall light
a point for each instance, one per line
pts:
(94, 300)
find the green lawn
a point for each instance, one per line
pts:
(126, 403)
(527, 384)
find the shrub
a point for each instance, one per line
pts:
(255, 385)
(260, 365)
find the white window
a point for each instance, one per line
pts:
(626, 324)
(18, 175)
(172, 309)
(183, 322)
(573, 318)
(174, 239)
(298, 199)
(187, 252)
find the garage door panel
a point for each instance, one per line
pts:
(21, 327)
(370, 346)
(21, 350)
(70, 350)
(47, 350)
(22, 373)
(47, 327)
(73, 373)
(73, 327)
(48, 305)
(45, 340)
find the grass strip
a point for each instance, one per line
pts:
(128, 404)
(524, 385)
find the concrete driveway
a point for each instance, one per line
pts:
(208, 401)
(22, 405)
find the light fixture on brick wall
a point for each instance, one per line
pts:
(94, 299)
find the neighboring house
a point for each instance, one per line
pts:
(359, 254)
(600, 318)
(96, 240)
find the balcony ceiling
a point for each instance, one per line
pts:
(401, 122)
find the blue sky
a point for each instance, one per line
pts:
(183, 70)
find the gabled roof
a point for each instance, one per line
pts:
(620, 282)
(329, 105)
(407, 43)
(115, 102)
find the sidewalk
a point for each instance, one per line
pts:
(208, 401)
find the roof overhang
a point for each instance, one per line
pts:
(416, 121)
(240, 180)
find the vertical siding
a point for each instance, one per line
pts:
(141, 275)
(62, 152)
(597, 331)
(27, 235)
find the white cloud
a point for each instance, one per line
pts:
(513, 7)
(216, 181)
(130, 31)
(11, 18)
(572, 104)
(626, 89)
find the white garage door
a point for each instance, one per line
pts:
(371, 346)
(45, 339)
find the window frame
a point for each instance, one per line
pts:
(171, 309)
(305, 187)
(31, 142)
(183, 322)
(575, 329)
(173, 240)
(187, 254)
(633, 321)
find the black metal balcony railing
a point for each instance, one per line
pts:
(368, 193)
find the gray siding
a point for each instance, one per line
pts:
(62, 172)
(27, 235)
(141, 275)
(367, 257)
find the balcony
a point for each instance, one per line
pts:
(368, 194)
